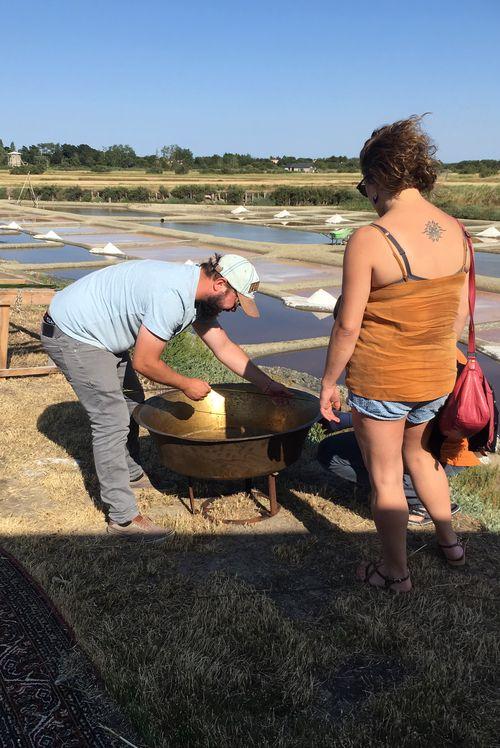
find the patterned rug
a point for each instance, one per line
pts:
(50, 695)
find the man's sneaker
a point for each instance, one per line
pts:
(140, 483)
(140, 530)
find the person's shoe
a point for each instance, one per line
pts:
(419, 516)
(140, 483)
(140, 530)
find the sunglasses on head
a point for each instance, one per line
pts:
(361, 187)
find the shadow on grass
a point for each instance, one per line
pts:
(265, 639)
(262, 637)
(67, 425)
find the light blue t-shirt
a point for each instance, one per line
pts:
(107, 307)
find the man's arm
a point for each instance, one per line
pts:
(147, 361)
(231, 355)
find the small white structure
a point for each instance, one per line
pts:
(189, 262)
(336, 219)
(321, 303)
(108, 249)
(50, 236)
(14, 159)
(12, 226)
(239, 210)
(302, 166)
(490, 233)
(283, 214)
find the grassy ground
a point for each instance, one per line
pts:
(139, 177)
(258, 637)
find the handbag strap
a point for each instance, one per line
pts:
(471, 349)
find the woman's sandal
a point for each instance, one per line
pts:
(372, 569)
(460, 561)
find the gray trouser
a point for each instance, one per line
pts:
(108, 388)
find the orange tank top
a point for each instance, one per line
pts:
(406, 350)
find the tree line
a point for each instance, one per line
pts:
(462, 201)
(37, 158)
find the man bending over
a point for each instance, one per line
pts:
(92, 324)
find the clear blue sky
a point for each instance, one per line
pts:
(302, 78)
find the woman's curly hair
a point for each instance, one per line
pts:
(399, 156)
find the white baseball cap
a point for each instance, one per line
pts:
(242, 276)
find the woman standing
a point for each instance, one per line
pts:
(404, 304)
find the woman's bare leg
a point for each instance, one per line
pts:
(431, 483)
(381, 445)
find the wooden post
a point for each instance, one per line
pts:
(191, 496)
(8, 297)
(273, 499)
(4, 334)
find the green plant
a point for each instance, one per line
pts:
(28, 169)
(194, 192)
(189, 356)
(73, 193)
(139, 194)
(234, 194)
(346, 197)
(477, 491)
(47, 192)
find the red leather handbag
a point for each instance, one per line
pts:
(470, 406)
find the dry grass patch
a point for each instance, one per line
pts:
(253, 637)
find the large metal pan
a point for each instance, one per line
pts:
(235, 432)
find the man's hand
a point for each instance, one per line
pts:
(196, 389)
(329, 399)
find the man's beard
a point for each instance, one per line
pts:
(210, 307)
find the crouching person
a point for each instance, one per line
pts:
(340, 455)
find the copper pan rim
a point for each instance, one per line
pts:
(239, 439)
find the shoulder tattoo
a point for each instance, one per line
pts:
(433, 231)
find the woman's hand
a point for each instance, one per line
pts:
(329, 399)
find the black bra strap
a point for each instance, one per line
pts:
(397, 246)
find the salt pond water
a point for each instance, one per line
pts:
(276, 322)
(487, 263)
(62, 253)
(102, 210)
(21, 238)
(71, 273)
(173, 253)
(240, 230)
(313, 362)
(104, 238)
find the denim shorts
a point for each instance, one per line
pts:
(386, 410)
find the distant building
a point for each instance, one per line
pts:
(274, 159)
(14, 159)
(304, 166)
